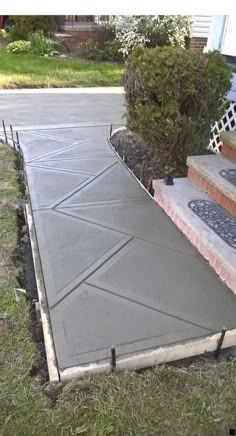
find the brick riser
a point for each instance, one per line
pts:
(228, 152)
(208, 252)
(212, 191)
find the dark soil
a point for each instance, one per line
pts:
(138, 157)
(39, 367)
(27, 281)
(28, 268)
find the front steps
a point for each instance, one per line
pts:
(215, 175)
(200, 206)
(229, 145)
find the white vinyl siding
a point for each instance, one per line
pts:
(200, 26)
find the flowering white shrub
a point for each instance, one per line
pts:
(150, 30)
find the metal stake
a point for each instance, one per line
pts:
(4, 130)
(17, 141)
(113, 359)
(142, 171)
(124, 155)
(12, 136)
(220, 343)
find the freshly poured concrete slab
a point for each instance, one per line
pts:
(76, 133)
(124, 187)
(135, 218)
(37, 146)
(51, 185)
(88, 148)
(71, 250)
(168, 280)
(94, 320)
(116, 270)
(91, 166)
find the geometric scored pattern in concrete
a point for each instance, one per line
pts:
(116, 269)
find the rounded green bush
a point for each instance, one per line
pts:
(173, 95)
(18, 47)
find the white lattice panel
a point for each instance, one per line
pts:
(227, 122)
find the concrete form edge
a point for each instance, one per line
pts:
(153, 357)
(48, 340)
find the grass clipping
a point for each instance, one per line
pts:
(198, 400)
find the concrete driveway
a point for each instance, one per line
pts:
(38, 107)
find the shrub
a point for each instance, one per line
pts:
(41, 45)
(150, 30)
(27, 24)
(173, 95)
(107, 51)
(18, 47)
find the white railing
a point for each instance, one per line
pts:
(227, 122)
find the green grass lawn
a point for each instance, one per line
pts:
(166, 401)
(27, 71)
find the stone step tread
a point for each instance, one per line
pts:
(229, 138)
(175, 201)
(216, 170)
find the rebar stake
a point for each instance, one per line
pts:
(113, 358)
(220, 343)
(142, 170)
(5, 132)
(17, 141)
(12, 136)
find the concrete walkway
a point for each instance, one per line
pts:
(116, 270)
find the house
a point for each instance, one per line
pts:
(85, 27)
(222, 35)
(200, 29)
(80, 28)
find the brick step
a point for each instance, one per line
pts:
(229, 145)
(216, 176)
(182, 202)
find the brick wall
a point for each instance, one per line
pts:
(197, 43)
(80, 36)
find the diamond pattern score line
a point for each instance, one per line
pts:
(229, 175)
(220, 221)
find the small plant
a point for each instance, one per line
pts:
(41, 45)
(173, 95)
(18, 47)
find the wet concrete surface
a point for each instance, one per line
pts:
(116, 269)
